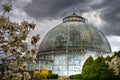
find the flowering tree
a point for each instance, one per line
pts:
(115, 65)
(13, 41)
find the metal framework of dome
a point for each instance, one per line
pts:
(66, 47)
(75, 33)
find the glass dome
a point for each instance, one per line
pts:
(74, 33)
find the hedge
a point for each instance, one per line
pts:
(52, 76)
(76, 76)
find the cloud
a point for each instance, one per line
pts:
(111, 15)
(105, 14)
(114, 42)
(17, 13)
(50, 8)
(93, 17)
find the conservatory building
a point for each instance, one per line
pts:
(66, 47)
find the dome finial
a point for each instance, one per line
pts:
(74, 11)
(81, 10)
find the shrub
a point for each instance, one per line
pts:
(44, 73)
(94, 76)
(37, 72)
(52, 76)
(37, 77)
(76, 76)
(85, 77)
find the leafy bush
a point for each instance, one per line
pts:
(44, 73)
(85, 77)
(94, 76)
(39, 75)
(107, 77)
(77, 76)
(116, 77)
(52, 76)
(37, 72)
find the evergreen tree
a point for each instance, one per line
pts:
(117, 54)
(86, 70)
(97, 70)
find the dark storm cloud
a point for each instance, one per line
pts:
(112, 17)
(58, 8)
(110, 14)
(0, 6)
(50, 8)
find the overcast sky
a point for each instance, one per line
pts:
(103, 14)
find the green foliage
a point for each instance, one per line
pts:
(88, 61)
(107, 77)
(94, 76)
(85, 77)
(77, 76)
(116, 54)
(108, 58)
(37, 77)
(116, 77)
(87, 66)
(52, 76)
(97, 69)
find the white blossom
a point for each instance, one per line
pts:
(115, 65)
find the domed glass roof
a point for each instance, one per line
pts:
(74, 32)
